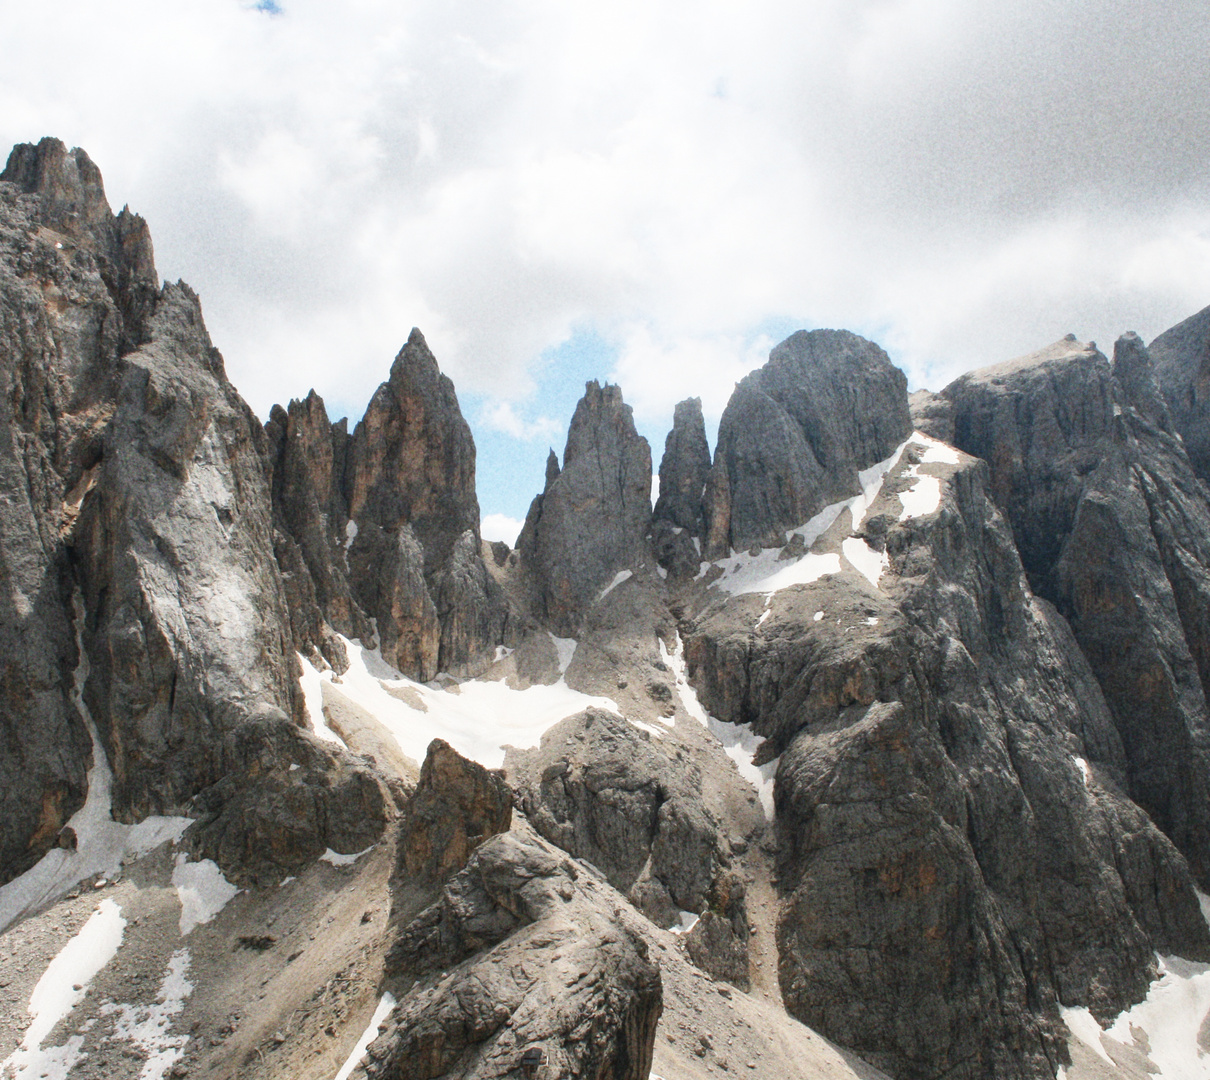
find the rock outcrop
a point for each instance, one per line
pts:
(1182, 367)
(797, 432)
(523, 951)
(1113, 527)
(954, 845)
(457, 805)
(599, 790)
(285, 798)
(385, 524)
(591, 520)
(145, 484)
(684, 469)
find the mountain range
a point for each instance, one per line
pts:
(878, 746)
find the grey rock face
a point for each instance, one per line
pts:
(307, 453)
(536, 959)
(457, 805)
(591, 520)
(1114, 528)
(599, 790)
(932, 414)
(683, 470)
(187, 628)
(1182, 367)
(128, 461)
(386, 524)
(284, 799)
(796, 433)
(949, 873)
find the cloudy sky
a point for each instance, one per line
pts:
(649, 192)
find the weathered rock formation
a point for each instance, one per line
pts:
(795, 434)
(684, 469)
(951, 870)
(142, 470)
(1113, 527)
(284, 799)
(591, 520)
(457, 805)
(384, 524)
(1182, 368)
(523, 951)
(598, 789)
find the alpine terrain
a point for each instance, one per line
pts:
(878, 747)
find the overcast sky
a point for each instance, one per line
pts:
(653, 193)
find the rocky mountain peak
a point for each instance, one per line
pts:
(797, 431)
(72, 203)
(684, 469)
(1182, 367)
(1135, 375)
(591, 520)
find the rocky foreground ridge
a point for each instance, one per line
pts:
(878, 747)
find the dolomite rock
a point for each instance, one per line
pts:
(949, 874)
(285, 798)
(795, 434)
(683, 470)
(1182, 368)
(591, 521)
(523, 949)
(598, 789)
(386, 524)
(457, 805)
(1113, 527)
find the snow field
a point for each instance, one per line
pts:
(478, 718)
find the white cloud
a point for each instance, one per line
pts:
(960, 181)
(500, 527)
(502, 417)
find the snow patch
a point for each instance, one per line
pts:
(1085, 772)
(76, 965)
(476, 717)
(350, 534)
(102, 844)
(202, 891)
(818, 616)
(1083, 1025)
(618, 578)
(501, 652)
(864, 559)
(566, 648)
(336, 859)
(739, 741)
(922, 498)
(936, 451)
(146, 1026)
(647, 728)
(385, 1004)
(313, 696)
(688, 920)
(1172, 1014)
